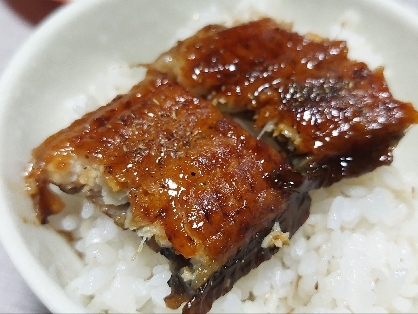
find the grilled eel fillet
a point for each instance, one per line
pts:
(209, 191)
(331, 116)
(206, 189)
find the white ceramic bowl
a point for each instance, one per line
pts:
(83, 38)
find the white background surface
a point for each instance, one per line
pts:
(18, 20)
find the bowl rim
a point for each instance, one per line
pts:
(42, 284)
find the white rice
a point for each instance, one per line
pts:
(357, 252)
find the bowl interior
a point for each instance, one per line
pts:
(82, 39)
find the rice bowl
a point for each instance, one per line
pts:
(331, 237)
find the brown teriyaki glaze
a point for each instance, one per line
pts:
(204, 183)
(333, 117)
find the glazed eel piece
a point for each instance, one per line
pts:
(165, 163)
(331, 116)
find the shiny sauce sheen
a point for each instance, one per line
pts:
(325, 107)
(189, 170)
